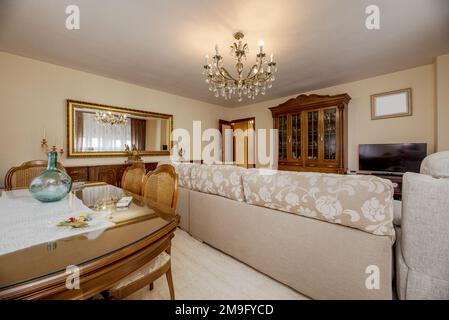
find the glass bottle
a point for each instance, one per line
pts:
(52, 184)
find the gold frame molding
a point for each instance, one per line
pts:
(409, 111)
(88, 105)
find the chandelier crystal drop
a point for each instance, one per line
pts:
(257, 80)
(109, 118)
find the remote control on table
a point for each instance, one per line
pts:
(124, 202)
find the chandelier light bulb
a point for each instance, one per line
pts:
(249, 81)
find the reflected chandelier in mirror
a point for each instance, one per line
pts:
(109, 118)
(96, 130)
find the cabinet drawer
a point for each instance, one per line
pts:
(78, 174)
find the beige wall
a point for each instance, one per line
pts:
(417, 128)
(442, 92)
(33, 96)
(156, 134)
(152, 139)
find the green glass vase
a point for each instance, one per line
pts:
(52, 184)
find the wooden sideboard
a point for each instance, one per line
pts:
(111, 174)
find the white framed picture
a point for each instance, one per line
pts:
(391, 104)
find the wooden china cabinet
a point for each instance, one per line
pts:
(312, 133)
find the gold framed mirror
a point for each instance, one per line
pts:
(97, 130)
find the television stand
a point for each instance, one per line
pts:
(395, 179)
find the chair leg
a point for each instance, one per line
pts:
(151, 286)
(170, 284)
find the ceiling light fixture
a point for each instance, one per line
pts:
(258, 79)
(109, 118)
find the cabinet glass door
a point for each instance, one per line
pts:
(296, 136)
(312, 135)
(283, 133)
(330, 134)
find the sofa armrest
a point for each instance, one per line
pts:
(425, 225)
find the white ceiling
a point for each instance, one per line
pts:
(161, 44)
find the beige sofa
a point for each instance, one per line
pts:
(327, 236)
(422, 247)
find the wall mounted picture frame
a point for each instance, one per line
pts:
(391, 104)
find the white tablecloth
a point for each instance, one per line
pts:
(25, 222)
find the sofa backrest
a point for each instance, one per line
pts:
(362, 202)
(221, 180)
(183, 170)
(436, 165)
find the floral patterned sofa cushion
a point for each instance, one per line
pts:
(361, 202)
(183, 169)
(221, 180)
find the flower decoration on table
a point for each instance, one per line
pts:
(81, 222)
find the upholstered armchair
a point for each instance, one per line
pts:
(422, 247)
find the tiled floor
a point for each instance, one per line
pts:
(201, 272)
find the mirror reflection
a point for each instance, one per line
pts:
(114, 130)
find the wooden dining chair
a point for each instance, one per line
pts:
(20, 177)
(133, 177)
(160, 186)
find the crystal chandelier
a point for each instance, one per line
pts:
(109, 118)
(259, 77)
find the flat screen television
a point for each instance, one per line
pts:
(391, 158)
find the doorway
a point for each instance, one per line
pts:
(238, 142)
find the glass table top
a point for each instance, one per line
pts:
(142, 218)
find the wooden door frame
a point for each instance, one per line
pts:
(231, 123)
(222, 122)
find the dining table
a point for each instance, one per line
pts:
(43, 256)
